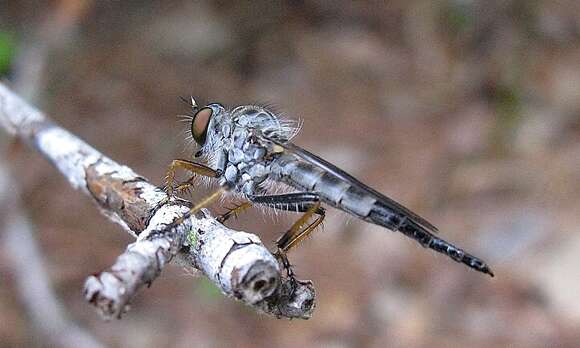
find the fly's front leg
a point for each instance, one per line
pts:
(193, 167)
(186, 186)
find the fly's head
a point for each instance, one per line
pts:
(206, 126)
(215, 128)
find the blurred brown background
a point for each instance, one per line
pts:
(468, 112)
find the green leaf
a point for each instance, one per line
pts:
(7, 51)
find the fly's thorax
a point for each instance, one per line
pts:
(236, 125)
(235, 145)
(246, 164)
(256, 117)
(265, 121)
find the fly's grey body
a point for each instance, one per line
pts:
(238, 143)
(250, 150)
(235, 146)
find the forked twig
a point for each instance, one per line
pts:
(236, 261)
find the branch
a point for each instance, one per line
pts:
(237, 262)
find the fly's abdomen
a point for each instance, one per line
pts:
(332, 189)
(303, 175)
(346, 193)
(344, 196)
(370, 206)
(357, 202)
(382, 215)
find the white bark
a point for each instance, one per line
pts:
(236, 261)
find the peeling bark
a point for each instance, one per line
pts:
(236, 261)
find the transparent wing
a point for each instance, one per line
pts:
(331, 168)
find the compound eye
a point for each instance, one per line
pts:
(200, 124)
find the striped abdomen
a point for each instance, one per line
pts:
(333, 190)
(344, 192)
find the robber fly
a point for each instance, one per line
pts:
(248, 150)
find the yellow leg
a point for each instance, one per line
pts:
(193, 167)
(202, 204)
(296, 234)
(234, 211)
(207, 200)
(186, 186)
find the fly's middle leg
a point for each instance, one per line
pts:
(235, 211)
(202, 204)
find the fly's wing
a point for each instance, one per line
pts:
(331, 168)
(388, 213)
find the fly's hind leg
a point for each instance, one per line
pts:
(305, 202)
(300, 230)
(193, 167)
(299, 202)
